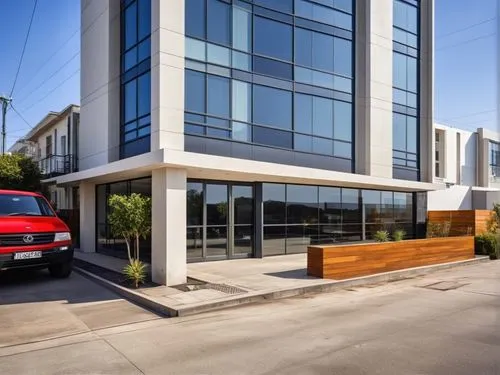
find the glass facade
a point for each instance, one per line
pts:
(220, 220)
(297, 216)
(494, 151)
(135, 77)
(291, 91)
(105, 242)
(406, 54)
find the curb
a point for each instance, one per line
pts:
(252, 297)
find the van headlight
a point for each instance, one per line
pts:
(63, 236)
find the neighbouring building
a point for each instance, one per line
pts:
(258, 127)
(467, 164)
(25, 147)
(53, 143)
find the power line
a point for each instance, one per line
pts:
(468, 115)
(21, 116)
(466, 28)
(51, 91)
(467, 41)
(48, 78)
(24, 48)
(44, 64)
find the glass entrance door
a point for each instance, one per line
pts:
(220, 221)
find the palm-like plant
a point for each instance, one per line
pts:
(135, 271)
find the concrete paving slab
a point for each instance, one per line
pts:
(96, 357)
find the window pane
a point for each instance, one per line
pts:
(216, 241)
(281, 5)
(218, 18)
(243, 204)
(243, 239)
(272, 68)
(273, 197)
(272, 107)
(303, 111)
(399, 72)
(372, 208)
(242, 29)
(387, 209)
(303, 143)
(412, 74)
(130, 105)
(195, 18)
(345, 5)
(131, 26)
(194, 203)
(272, 137)
(323, 117)
(322, 146)
(195, 91)
(403, 207)
(144, 95)
(274, 240)
(342, 57)
(242, 132)
(411, 134)
(399, 131)
(299, 237)
(130, 59)
(144, 18)
(216, 201)
(242, 93)
(342, 120)
(194, 243)
(322, 50)
(218, 55)
(329, 205)
(351, 210)
(242, 61)
(144, 50)
(303, 47)
(195, 49)
(280, 45)
(218, 96)
(342, 150)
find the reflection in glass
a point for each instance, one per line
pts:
(274, 240)
(330, 208)
(302, 204)
(216, 204)
(243, 204)
(274, 203)
(243, 239)
(216, 241)
(194, 203)
(194, 243)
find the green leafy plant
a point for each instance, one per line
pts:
(399, 235)
(492, 222)
(381, 236)
(130, 218)
(136, 272)
(438, 229)
(487, 244)
(19, 172)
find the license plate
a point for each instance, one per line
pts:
(28, 255)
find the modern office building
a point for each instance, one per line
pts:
(258, 127)
(467, 164)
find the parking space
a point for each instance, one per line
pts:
(36, 307)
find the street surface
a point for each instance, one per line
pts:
(408, 327)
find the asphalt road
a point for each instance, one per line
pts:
(444, 323)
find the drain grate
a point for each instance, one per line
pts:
(444, 285)
(193, 285)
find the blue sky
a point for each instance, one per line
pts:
(465, 64)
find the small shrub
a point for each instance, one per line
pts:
(399, 235)
(381, 236)
(492, 223)
(135, 271)
(487, 244)
(438, 229)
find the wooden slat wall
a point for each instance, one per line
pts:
(461, 221)
(342, 262)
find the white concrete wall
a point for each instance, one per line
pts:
(99, 82)
(62, 130)
(453, 198)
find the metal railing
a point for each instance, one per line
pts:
(57, 165)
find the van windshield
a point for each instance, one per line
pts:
(24, 205)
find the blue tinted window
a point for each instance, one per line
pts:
(323, 117)
(405, 16)
(272, 137)
(195, 18)
(219, 21)
(342, 120)
(272, 107)
(303, 113)
(130, 25)
(242, 29)
(399, 72)
(281, 5)
(130, 101)
(195, 91)
(322, 51)
(279, 45)
(411, 134)
(303, 47)
(342, 57)
(218, 96)
(399, 131)
(272, 68)
(144, 18)
(144, 95)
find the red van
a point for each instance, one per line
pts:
(31, 234)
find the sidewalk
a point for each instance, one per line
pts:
(234, 282)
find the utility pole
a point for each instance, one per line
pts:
(5, 104)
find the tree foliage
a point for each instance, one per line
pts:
(130, 218)
(18, 172)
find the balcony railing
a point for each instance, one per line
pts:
(57, 165)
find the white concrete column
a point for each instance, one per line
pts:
(168, 254)
(167, 74)
(87, 217)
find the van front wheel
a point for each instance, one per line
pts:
(61, 270)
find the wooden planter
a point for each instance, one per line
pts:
(346, 261)
(462, 222)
